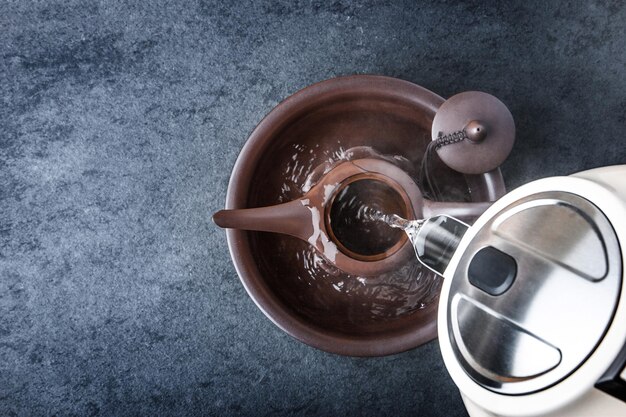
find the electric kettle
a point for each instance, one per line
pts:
(532, 313)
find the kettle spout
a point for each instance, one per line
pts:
(435, 240)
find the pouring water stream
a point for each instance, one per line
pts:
(434, 239)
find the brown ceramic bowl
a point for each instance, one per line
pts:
(340, 313)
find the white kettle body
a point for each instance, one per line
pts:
(532, 313)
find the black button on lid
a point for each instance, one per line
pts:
(492, 270)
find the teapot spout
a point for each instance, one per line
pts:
(293, 218)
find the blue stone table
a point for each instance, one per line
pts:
(120, 123)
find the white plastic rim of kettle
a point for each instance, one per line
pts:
(606, 188)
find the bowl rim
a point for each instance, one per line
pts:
(261, 137)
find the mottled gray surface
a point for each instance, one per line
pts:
(120, 124)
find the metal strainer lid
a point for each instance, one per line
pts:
(534, 293)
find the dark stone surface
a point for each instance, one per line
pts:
(120, 124)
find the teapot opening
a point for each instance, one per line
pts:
(353, 216)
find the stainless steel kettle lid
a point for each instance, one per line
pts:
(534, 292)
